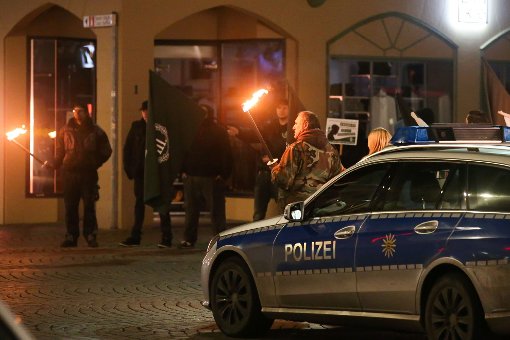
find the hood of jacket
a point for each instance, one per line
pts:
(86, 125)
(314, 137)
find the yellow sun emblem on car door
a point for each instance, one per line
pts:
(389, 245)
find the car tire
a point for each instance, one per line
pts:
(234, 301)
(453, 310)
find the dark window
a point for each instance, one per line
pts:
(502, 70)
(62, 74)
(351, 194)
(489, 188)
(425, 186)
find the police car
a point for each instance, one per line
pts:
(416, 237)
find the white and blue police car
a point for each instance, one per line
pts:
(416, 237)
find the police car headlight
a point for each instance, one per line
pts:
(212, 242)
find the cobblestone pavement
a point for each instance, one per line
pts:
(113, 292)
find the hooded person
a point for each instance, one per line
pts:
(307, 163)
(82, 147)
(205, 170)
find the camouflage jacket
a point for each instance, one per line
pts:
(305, 166)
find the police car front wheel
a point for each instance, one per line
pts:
(453, 310)
(234, 301)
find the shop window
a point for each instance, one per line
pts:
(62, 74)
(366, 90)
(223, 74)
(389, 64)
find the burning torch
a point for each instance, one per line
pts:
(12, 135)
(247, 105)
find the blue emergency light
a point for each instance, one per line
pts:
(411, 135)
(452, 133)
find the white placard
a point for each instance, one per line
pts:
(342, 131)
(105, 20)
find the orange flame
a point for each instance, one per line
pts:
(52, 134)
(247, 105)
(16, 132)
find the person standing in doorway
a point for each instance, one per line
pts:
(274, 133)
(206, 167)
(81, 148)
(134, 164)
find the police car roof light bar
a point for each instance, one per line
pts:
(411, 135)
(452, 133)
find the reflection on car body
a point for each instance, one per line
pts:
(10, 327)
(415, 236)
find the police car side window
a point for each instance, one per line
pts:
(350, 194)
(424, 186)
(488, 188)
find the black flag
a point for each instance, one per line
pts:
(172, 122)
(295, 106)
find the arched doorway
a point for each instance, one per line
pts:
(219, 57)
(386, 55)
(49, 67)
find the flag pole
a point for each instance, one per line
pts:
(259, 135)
(26, 150)
(246, 108)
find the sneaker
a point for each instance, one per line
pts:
(69, 244)
(130, 242)
(165, 244)
(92, 243)
(186, 245)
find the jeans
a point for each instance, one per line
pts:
(165, 222)
(264, 191)
(197, 188)
(80, 185)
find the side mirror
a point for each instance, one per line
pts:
(294, 212)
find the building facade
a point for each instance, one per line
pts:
(344, 59)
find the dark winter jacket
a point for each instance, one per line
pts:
(81, 148)
(210, 154)
(276, 137)
(134, 150)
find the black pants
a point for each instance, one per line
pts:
(264, 191)
(196, 189)
(165, 222)
(80, 185)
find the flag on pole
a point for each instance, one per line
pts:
(172, 122)
(497, 97)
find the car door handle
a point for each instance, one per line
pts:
(345, 232)
(426, 227)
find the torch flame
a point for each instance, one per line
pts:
(52, 134)
(16, 132)
(247, 105)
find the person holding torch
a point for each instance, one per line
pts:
(307, 163)
(274, 133)
(81, 148)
